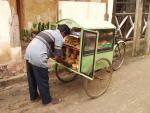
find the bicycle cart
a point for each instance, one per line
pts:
(88, 51)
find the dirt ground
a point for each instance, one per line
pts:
(129, 92)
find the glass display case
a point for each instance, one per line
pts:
(106, 40)
(88, 51)
(89, 42)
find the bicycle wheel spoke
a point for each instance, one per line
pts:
(101, 81)
(118, 57)
(64, 75)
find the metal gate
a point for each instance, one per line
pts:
(124, 16)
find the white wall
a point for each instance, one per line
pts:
(7, 53)
(110, 9)
(5, 14)
(85, 13)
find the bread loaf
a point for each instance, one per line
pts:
(74, 66)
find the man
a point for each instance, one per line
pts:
(44, 45)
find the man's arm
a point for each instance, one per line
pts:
(58, 56)
(58, 47)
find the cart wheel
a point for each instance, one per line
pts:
(64, 75)
(102, 77)
(118, 57)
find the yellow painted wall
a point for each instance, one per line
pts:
(40, 10)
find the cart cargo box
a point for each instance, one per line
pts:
(86, 44)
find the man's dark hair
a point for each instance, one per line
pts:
(64, 28)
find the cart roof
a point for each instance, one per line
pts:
(101, 25)
(86, 25)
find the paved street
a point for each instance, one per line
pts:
(129, 92)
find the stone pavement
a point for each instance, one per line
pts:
(129, 92)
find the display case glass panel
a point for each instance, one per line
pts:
(89, 39)
(89, 42)
(106, 40)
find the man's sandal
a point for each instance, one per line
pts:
(55, 100)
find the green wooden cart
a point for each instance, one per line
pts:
(95, 57)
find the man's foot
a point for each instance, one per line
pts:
(55, 100)
(36, 99)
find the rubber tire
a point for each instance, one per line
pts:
(87, 82)
(64, 80)
(121, 60)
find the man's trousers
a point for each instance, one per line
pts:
(38, 78)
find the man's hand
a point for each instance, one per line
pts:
(58, 58)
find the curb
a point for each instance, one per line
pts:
(21, 78)
(15, 79)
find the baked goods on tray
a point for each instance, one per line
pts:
(72, 41)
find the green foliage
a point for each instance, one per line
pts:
(43, 26)
(39, 26)
(48, 26)
(34, 25)
(24, 34)
(36, 28)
